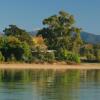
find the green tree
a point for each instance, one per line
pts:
(1, 57)
(27, 55)
(68, 57)
(19, 33)
(59, 31)
(13, 46)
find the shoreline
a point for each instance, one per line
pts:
(50, 66)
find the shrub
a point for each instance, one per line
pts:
(12, 59)
(50, 57)
(90, 57)
(97, 54)
(15, 50)
(38, 57)
(61, 54)
(43, 57)
(27, 56)
(72, 58)
(64, 55)
(1, 57)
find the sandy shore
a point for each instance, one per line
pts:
(49, 66)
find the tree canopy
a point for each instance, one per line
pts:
(19, 33)
(13, 47)
(60, 32)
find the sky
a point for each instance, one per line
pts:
(28, 14)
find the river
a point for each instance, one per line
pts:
(49, 85)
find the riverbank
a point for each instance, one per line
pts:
(49, 66)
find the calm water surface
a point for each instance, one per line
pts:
(50, 85)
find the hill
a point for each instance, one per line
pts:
(90, 38)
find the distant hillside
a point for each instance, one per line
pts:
(87, 37)
(90, 38)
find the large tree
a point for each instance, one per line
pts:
(60, 32)
(19, 33)
(12, 47)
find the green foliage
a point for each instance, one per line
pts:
(11, 45)
(69, 57)
(50, 57)
(21, 34)
(12, 59)
(27, 55)
(1, 57)
(97, 55)
(90, 57)
(58, 32)
(41, 57)
(91, 52)
(76, 41)
(59, 35)
(13, 49)
(61, 54)
(86, 49)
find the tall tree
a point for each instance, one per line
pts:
(58, 31)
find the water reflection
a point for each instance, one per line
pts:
(49, 85)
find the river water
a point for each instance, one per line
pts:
(49, 85)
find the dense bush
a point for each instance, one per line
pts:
(50, 57)
(27, 55)
(97, 55)
(91, 52)
(71, 57)
(61, 54)
(14, 50)
(64, 55)
(1, 57)
(12, 59)
(41, 57)
(90, 57)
